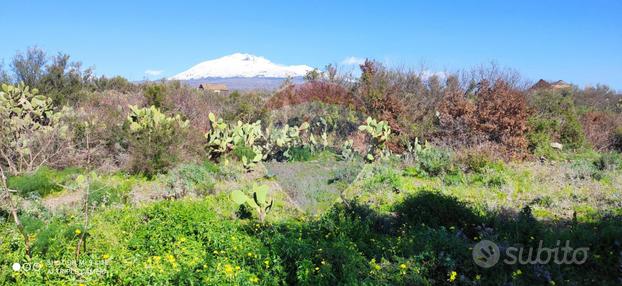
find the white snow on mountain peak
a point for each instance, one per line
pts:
(241, 65)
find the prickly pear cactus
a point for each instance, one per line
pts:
(379, 132)
(219, 139)
(28, 125)
(259, 200)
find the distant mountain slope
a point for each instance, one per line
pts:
(241, 65)
(245, 83)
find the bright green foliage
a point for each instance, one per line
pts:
(556, 120)
(379, 132)
(274, 143)
(246, 134)
(259, 200)
(42, 182)
(571, 132)
(282, 140)
(218, 138)
(223, 138)
(28, 128)
(154, 139)
(430, 161)
(539, 137)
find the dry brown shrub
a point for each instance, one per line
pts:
(321, 91)
(502, 114)
(359, 142)
(599, 128)
(456, 116)
(497, 114)
(96, 127)
(379, 94)
(192, 104)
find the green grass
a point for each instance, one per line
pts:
(398, 226)
(42, 182)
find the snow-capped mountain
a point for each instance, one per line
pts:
(241, 65)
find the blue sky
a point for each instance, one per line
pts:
(577, 41)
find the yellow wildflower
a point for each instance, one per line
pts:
(228, 269)
(452, 276)
(78, 231)
(403, 266)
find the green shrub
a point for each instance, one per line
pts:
(383, 178)
(584, 169)
(478, 161)
(541, 134)
(571, 132)
(39, 182)
(300, 154)
(103, 194)
(608, 162)
(155, 95)
(241, 151)
(154, 139)
(434, 161)
(42, 182)
(490, 177)
(191, 179)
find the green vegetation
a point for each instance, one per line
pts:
(153, 138)
(390, 179)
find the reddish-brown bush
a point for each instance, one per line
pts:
(502, 114)
(498, 114)
(192, 104)
(599, 128)
(311, 91)
(379, 95)
(457, 119)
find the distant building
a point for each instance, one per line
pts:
(214, 87)
(543, 84)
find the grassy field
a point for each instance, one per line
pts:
(332, 222)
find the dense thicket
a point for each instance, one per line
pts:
(486, 106)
